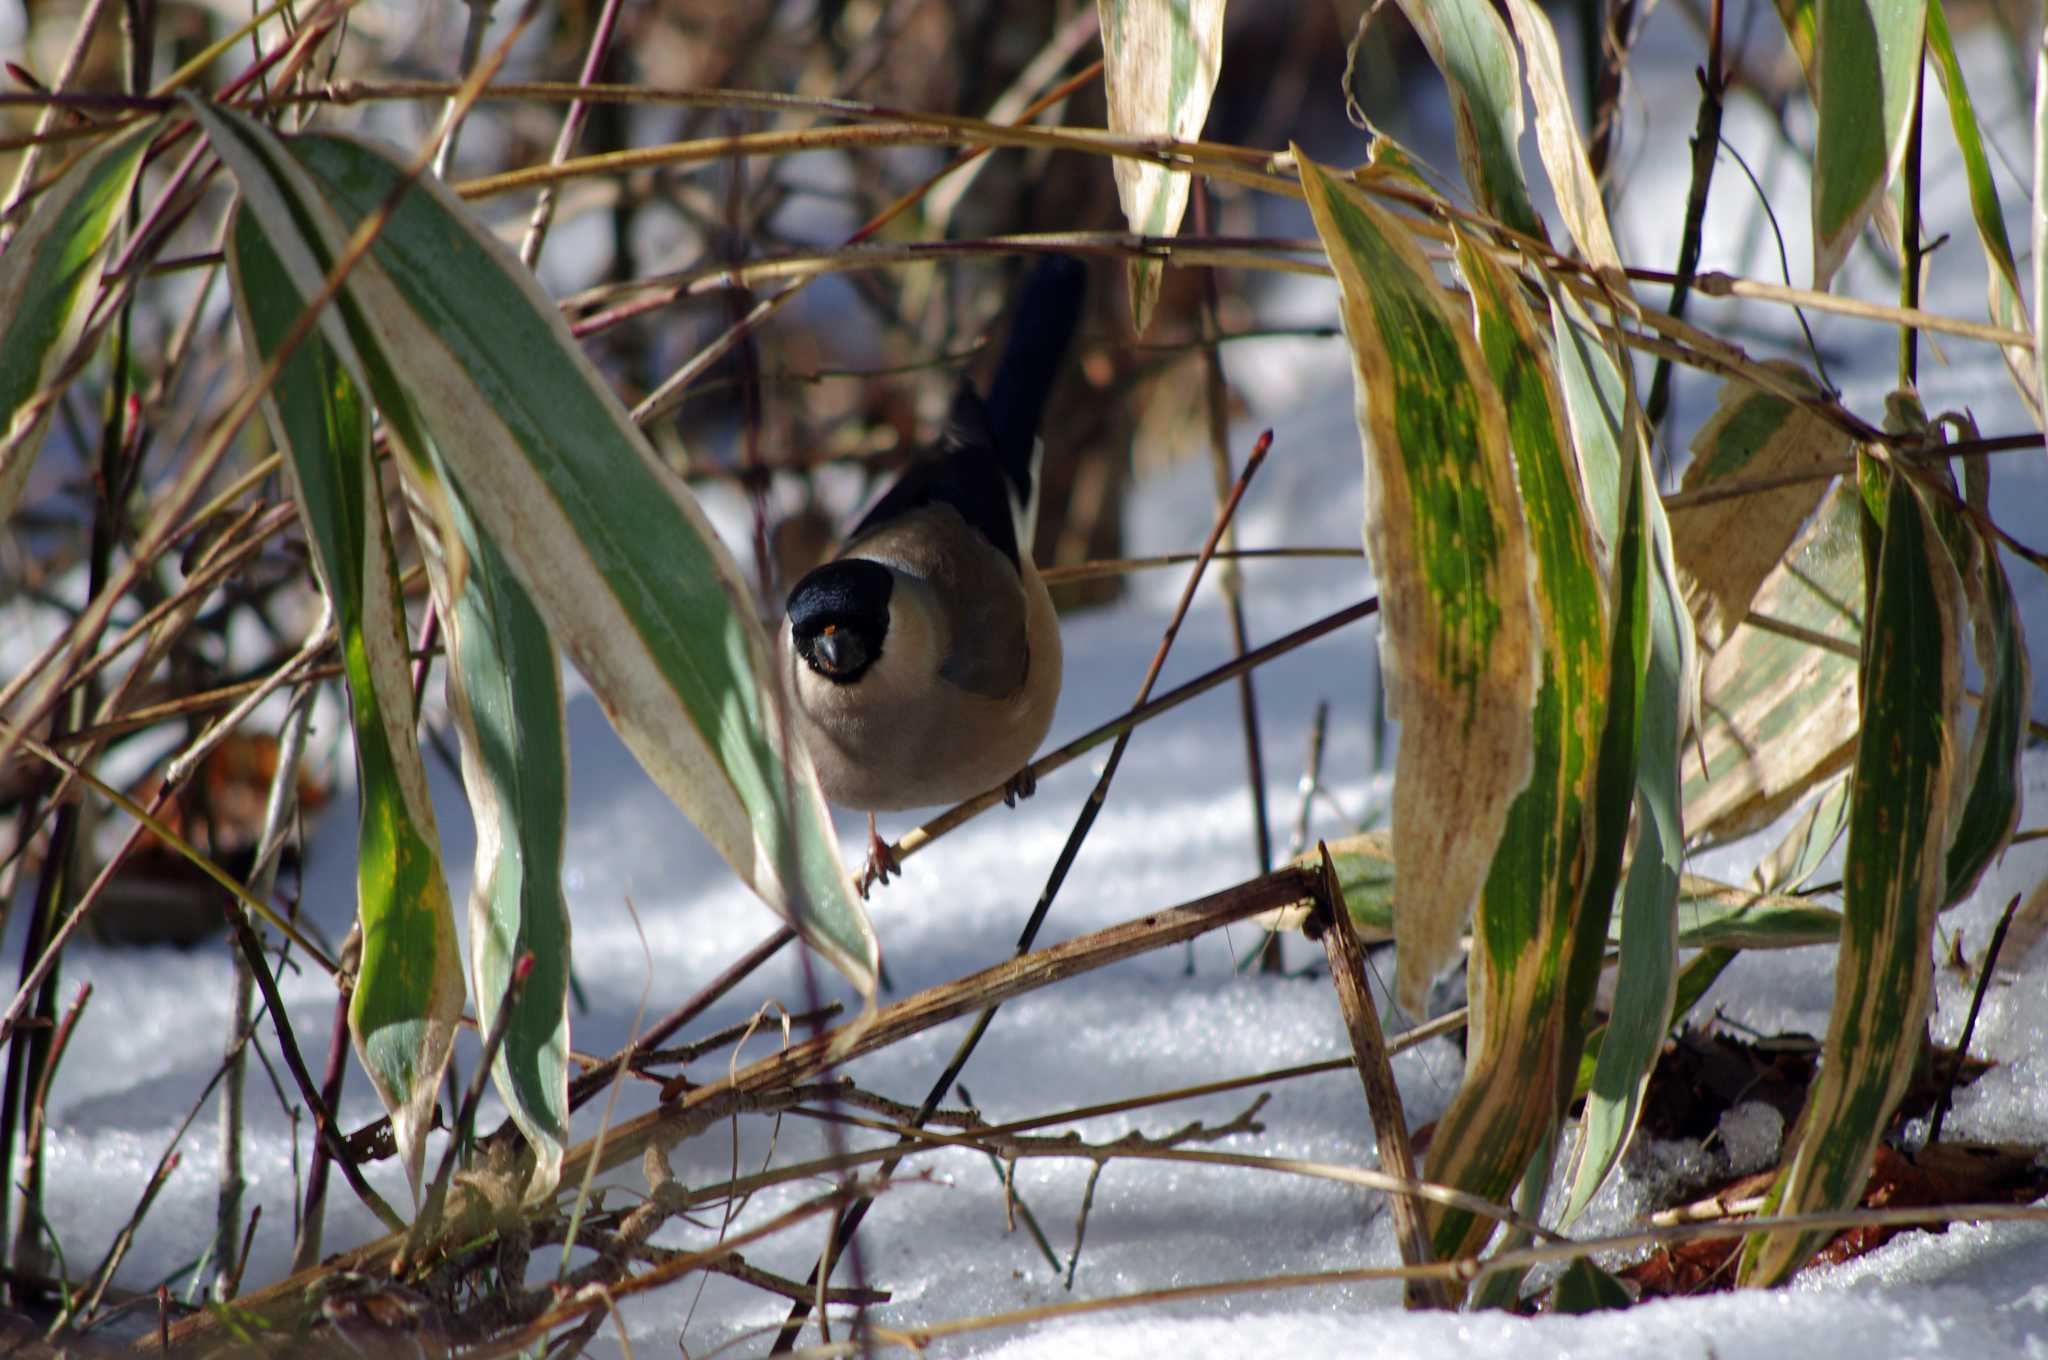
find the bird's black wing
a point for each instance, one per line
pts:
(983, 464)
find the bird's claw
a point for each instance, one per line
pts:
(1022, 785)
(881, 864)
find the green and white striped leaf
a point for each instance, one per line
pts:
(1541, 925)
(1893, 881)
(505, 690)
(1562, 148)
(1699, 973)
(1471, 47)
(1726, 549)
(1988, 791)
(1710, 913)
(1646, 975)
(408, 988)
(48, 275)
(1778, 698)
(1654, 700)
(2007, 305)
(1449, 544)
(465, 353)
(1866, 79)
(1159, 67)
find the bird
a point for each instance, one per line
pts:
(923, 661)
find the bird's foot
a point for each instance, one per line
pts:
(1022, 785)
(881, 862)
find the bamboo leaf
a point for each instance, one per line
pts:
(1160, 64)
(1449, 545)
(1699, 973)
(470, 363)
(1585, 1287)
(1778, 697)
(1892, 884)
(1470, 46)
(2007, 304)
(1990, 803)
(1542, 919)
(1654, 698)
(408, 990)
(1726, 549)
(506, 694)
(1866, 79)
(48, 275)
(1710, 913)
(1562, 148)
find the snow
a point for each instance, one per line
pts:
(657, 915)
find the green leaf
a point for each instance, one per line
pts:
(464, 354)
(1450, 547)
(2007, 305)
(506, 694)
(1543, 913)
(1159, 69)
(1991, 806)
(1893, 882)
(1866, 83)
(1694, 978)
(1586, 1288)
(1641, 1013)
(1471, 47)
(48, 275)
(408, 989)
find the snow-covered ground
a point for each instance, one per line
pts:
(657, 916)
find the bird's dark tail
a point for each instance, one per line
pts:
(1048, 309)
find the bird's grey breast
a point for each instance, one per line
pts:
(974, 589)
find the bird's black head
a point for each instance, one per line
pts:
(838, 617)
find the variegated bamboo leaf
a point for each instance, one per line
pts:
(1727, 548)
(47, 277)
(506, 693)
(1159, 67)
(1471, 47)
(1694, 978)
(1866, 79)
(2007, 304)
(466, 354)
(1450, 547)
(1893, 881)
(1647, 722)
(1562, 148)
(1988, 791)
(1778, 699)
(408, 988)
(1710, 913)
(1812, 837)
(1541, 925)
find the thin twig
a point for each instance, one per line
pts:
(1228, 580)
(1706, 148)
(588, 1084)
(1948, 1088)
(1382, 1095)
(324, 1126)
